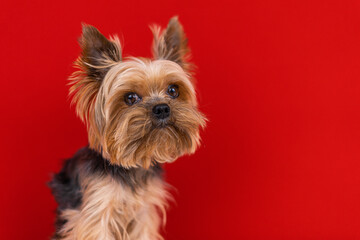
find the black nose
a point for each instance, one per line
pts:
(161, 111)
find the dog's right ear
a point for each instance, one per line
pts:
(98, 53)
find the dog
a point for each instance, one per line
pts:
(139, 114)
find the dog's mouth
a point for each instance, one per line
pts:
(164, 123)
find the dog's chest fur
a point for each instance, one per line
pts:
(101, 201)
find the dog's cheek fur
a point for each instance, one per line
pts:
(187, 122)
(125, 136)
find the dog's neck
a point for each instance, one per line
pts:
(134, 177)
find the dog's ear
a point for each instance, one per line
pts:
(98, 53)
(171, 44)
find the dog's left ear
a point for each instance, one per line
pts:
(171, 44)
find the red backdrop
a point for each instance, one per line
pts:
(278, 80)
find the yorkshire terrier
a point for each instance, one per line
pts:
(139, 113)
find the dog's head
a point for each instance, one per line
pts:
(137, 110)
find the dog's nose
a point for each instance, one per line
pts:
(161, 111)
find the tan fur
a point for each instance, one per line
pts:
(110, 211)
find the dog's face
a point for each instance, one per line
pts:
(137, 110)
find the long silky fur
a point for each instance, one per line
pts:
(113, 189)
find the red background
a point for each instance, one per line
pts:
(279, 81)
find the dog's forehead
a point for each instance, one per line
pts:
(148, 76)
(161, 73)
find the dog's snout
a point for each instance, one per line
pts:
(161, 111)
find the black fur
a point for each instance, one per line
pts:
(95, 48)
(66, 185)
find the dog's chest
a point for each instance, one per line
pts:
(111, 210)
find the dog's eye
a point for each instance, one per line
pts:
(131, 98)
(173, 91)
